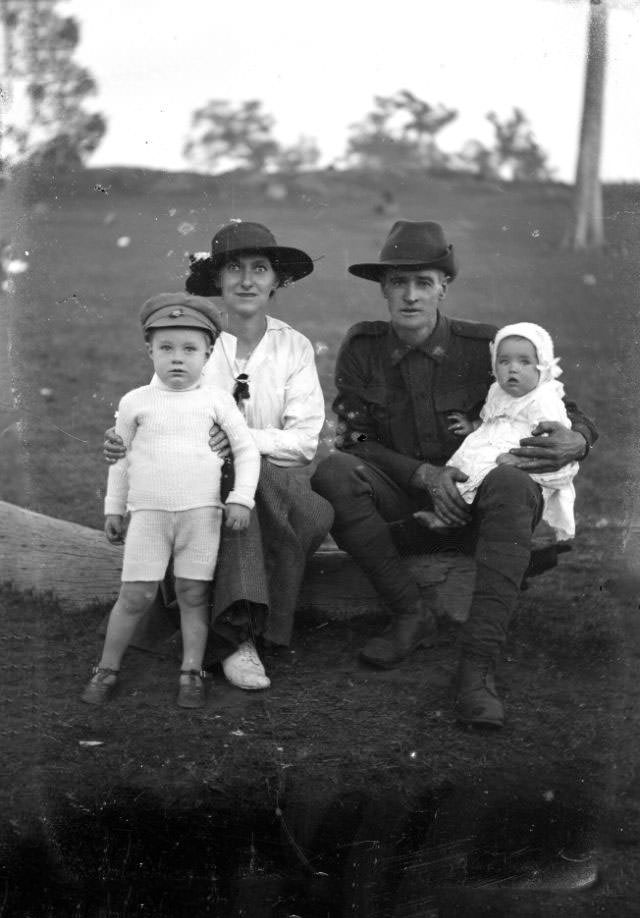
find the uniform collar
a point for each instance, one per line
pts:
(434, 347)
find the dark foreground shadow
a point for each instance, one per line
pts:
(447, 850)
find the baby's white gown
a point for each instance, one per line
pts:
(506, 421)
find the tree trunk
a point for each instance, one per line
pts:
(587, 229)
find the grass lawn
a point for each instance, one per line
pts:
(267, 804)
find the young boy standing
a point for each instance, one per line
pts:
(169, 480)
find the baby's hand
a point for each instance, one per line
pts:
(507, 459)
(460, 425)
(114, 528)
(236, 516)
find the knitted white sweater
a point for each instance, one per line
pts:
(169, 465)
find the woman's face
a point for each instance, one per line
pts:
(247, 281)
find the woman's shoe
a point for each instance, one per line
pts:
(191, 693)
(244, 669)
(101, 687)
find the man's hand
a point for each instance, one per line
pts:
(440, 484)
(218, 442)
(113, 447)
(236, 516)
(549, 447)
(114, 528)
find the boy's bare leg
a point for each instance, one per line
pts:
(193, 599)
(134, 599)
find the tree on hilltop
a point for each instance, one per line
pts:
(399, 132)
(224, 135)
(47, 123)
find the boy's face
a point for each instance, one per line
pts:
(179, 355)
(517, 366)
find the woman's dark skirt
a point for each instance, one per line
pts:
(264, 565)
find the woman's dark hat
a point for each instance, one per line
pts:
(408, 245)
(236, 237)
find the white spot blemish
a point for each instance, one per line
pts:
(123, 242)
(16, 266)
(185, 228)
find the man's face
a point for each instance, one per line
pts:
(413, 296)
(517, 366)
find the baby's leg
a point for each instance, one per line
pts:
(507, 459)
(134, 599)
(193, 599)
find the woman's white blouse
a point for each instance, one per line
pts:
(285, 408)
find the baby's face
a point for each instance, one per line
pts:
(517, 366)
(179, 355)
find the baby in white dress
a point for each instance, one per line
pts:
(526, 391)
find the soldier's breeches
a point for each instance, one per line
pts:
(365, 500)
(506, 510)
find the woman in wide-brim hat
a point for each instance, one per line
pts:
(270, 368)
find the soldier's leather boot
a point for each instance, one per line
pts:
(477, 700)
(415, 627)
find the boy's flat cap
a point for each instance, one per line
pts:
(174, 310)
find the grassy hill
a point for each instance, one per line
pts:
(339, 791)
(98, 248)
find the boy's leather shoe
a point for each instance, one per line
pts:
(477, 700)
(101, 687)
(415, 627)
(191, 692)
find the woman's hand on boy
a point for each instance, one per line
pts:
(113, 447)
(236, 516)
(114, 528)
(219, 442)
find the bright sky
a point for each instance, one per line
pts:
(316, 67)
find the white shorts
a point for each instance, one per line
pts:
(191, 537)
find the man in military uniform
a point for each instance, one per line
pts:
(398, 382)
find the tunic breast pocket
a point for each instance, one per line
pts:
(463, 399)
(376, 398)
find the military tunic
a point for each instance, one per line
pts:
(394, 400)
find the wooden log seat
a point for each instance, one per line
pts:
(78, 567)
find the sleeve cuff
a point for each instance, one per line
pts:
(586, 433)
(235, 498)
